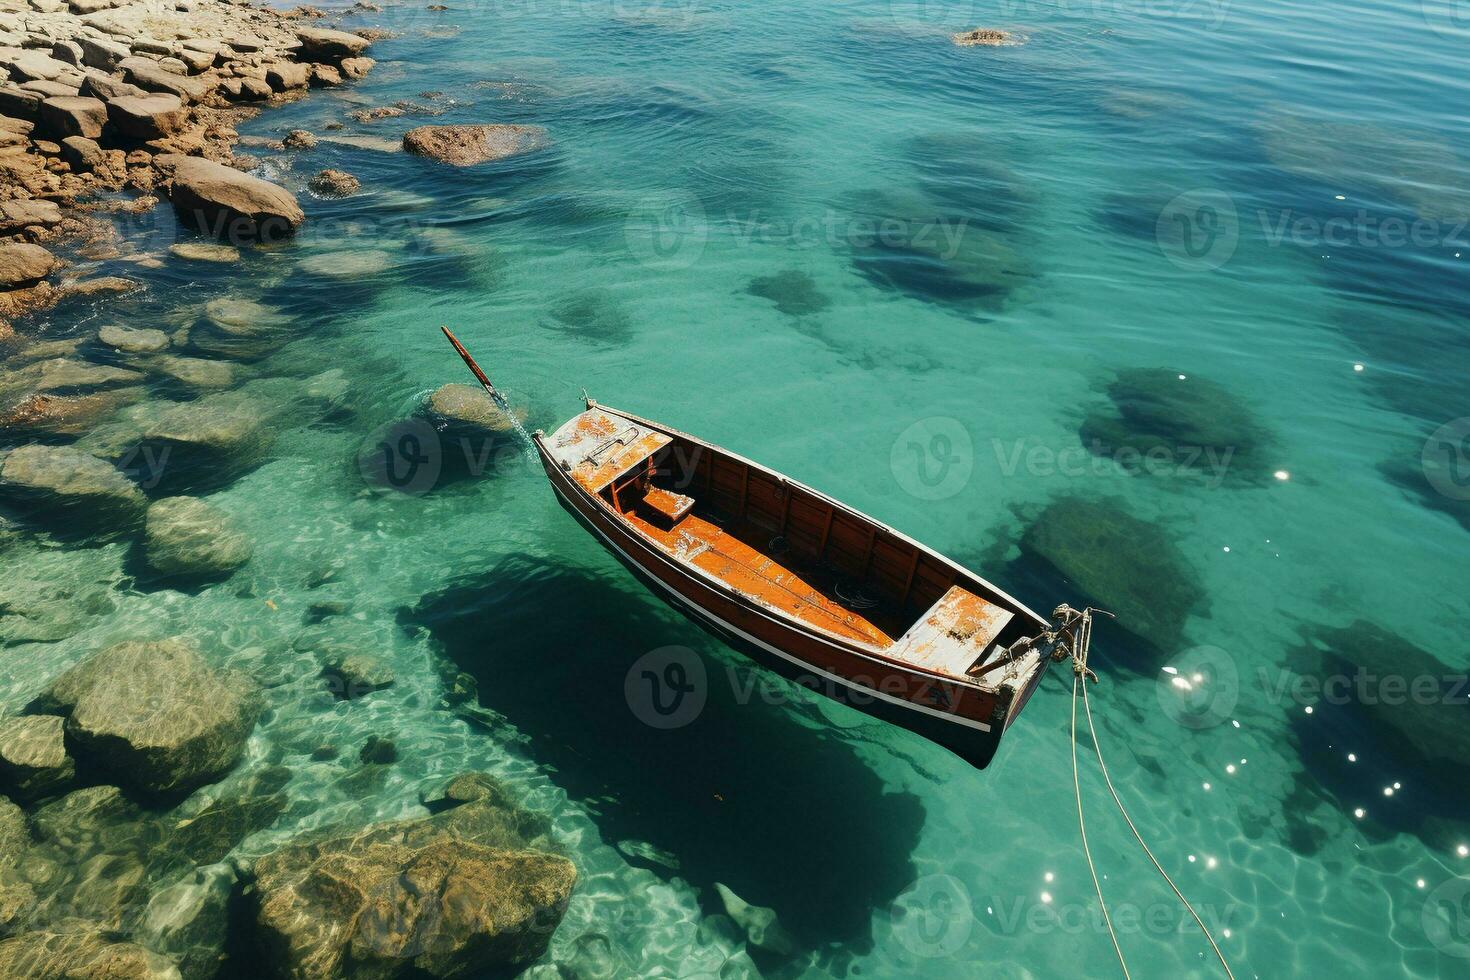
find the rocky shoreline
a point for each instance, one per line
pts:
(127, 787)
(99, 97)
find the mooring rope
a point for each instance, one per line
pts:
(1123, 810)
(1082, 823)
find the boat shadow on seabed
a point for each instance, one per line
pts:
(784, 814)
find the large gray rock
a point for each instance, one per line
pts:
(73, 115)
(23, 264)
(62, 479)
(80, 956)
(231, 204)
(156, 715)
(147, 117)
(186, 536)
(452, 895)
(320, 44)
(463, 146)
(33, 758)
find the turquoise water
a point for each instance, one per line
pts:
(906, 273)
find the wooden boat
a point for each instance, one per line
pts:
(801, 583)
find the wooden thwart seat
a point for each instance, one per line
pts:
(672, 507)
(957, 631)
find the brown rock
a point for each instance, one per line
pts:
(150, 76)
(73, 115)
(332, 46)
(81, 955)
(147, 117)
(299, 139)
(325, 76)
(356, 67)
(24, 265)
(16, 101)
(335, 183)
(64, 415)
(106, 88)
(83, 154)
(231, 204)
(155, 714)
(285, 75)
(18, 215)
(983, 37)
(101, 54)
(463, 146)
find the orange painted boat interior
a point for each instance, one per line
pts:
(786, 547)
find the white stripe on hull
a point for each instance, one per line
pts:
(707, 614)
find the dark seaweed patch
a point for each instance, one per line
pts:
(592, 315)
(794, 292)
(1162, 422)
(1402, 713)
(1094, 551)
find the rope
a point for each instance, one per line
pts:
(1123, 810)
(1082, 823)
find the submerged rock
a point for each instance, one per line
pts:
(353, 675)
(64, 481)
(984, 37)
(463, 146)
(794, 292)
(762, 930)
(186, 536)
(1166, 422)
(205, 252)
(335, 183)
(451, 895)
(200, 444)
(195, 372)
(1122, 564)
(33, 758)
(351, 264)
(467, 405)
(378, 751)
(189, 921)
(225, 202)
(1407, 710)
(131, 341)
(83, 956)
(155, 714)
(65, 415)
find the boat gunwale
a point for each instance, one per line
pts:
(865, 650)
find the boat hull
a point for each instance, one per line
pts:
(967, 721)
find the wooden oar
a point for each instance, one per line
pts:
(484, 381)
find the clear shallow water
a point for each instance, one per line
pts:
(833, 212)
